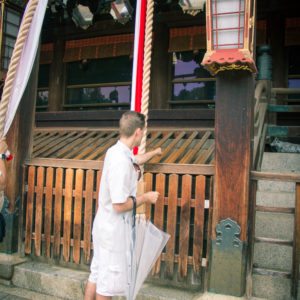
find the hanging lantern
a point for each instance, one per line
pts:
(229, 34)
(82, 16)
(192, 7)
(121, 10)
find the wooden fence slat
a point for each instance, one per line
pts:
(99, 174)
(88, 208)
(29, 209)
(198, 223)
(171, 224)
(48, 210)
(159, 211)
(39, 210)
(68, 214)
(57, 212)
(77, 215)
(148, 179)
(184, 224)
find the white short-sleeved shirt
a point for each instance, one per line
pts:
(118, 182)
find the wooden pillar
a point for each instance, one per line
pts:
(56, 78)
(276, 39)
(160, 75)
(19, 140)
(233, 134)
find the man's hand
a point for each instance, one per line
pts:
(151, 197)
(158, 151)
(143, 158)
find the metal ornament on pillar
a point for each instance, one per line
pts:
(230, 35)
(227, 255)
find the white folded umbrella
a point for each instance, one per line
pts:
(146, 244)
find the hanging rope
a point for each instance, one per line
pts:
(147, 71)
(8, 86)
(14, 62)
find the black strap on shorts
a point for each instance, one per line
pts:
(133, 210)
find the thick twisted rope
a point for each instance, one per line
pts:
(147, 70)
(14, 62)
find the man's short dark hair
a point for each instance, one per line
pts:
(130, 121)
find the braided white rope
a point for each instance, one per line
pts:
(14, 62)
(147, 70)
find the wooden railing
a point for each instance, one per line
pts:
(60, 201)
(261, 97)
(295, 243)
(285, 91)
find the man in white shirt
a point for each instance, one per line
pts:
(117, 192)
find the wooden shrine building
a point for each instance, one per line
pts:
(213, 131)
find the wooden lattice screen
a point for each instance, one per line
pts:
(60, 200)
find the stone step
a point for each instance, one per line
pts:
(274, 225)
(279, 163)
(53, 282)
(278, 226)
(15, 293)
(273, 199)
(284, 162)
(50, 280)
(149, 293)
(271, 287)
(276, 186)
(272, 256)
(7, 264)
(63, 283)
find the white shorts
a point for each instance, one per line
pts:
(108, 271)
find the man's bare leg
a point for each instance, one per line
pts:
(90, 291)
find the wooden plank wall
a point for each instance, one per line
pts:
(60, 203)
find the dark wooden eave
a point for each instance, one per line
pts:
(180, 118)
